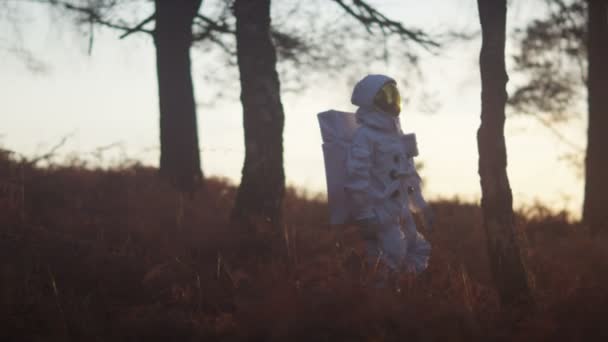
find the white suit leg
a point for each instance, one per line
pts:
(394, 246)
(418, 249)
(390, 247)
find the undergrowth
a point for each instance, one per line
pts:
(117, 255)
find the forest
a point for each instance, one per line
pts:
(133, 251)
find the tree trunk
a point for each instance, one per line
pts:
(260, 194)
(179, 153)
(497, 202)
(595, 208)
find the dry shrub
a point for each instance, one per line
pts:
(119, 255)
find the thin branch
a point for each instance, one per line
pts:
(139, 27)
(549, 125)
(94, 17)
(222, 45)
(91, 37)
(217, 26)
(51, 152)
(370, 18)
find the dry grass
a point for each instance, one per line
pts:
(115, 255)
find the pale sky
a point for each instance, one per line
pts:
(111, 97)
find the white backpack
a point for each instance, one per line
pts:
(337, 130)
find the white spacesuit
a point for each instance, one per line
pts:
(382, 185)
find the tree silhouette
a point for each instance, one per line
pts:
(179, 153)
(552, 57)
(595, 209)
(563, 55)
(177, 24)
(497, 201)
(263, 180)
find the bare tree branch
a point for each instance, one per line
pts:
(222, 45)
(547, 123)
(95, 17)
(51, 152)
(217, 26)
(370, 18)
(139, 27)
(553, 56)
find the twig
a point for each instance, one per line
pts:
(139, 26)
(58, 301)
(95, 17)
(91, 37)
(559, 134)
(51, 153)
(217, 26)
(370, 17)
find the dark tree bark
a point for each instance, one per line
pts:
(595, 208)
(497, 201)
(179, 156)
(260, 194)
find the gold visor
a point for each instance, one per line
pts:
(388, 99)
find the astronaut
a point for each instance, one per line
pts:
(382, 185)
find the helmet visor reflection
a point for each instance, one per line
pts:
(388, 99)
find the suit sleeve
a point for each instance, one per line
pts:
(357, 185)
